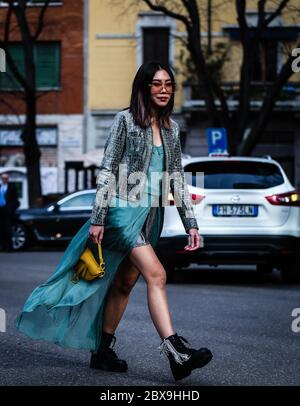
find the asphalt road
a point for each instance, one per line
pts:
(245, 321)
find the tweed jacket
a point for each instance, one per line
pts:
(127, 151)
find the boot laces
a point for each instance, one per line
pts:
(180, 353)
(183, 344)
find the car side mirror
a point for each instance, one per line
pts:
(56, 208)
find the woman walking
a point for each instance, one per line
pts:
(127, 220)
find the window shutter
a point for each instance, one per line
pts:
(47, 57)
(47, 63)
(156, 44)
(7, 79)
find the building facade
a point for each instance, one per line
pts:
(87, 56)
(123, 35)
(59, 66)
(120, 38)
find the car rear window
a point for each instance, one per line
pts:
(235, 174)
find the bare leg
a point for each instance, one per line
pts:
(118, 296)
(145, 259)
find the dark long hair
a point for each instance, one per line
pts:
(140, 101)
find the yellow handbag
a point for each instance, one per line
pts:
(87, 267)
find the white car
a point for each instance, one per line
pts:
(248, 213)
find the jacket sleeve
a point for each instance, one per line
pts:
(108, 169)
(180, 190)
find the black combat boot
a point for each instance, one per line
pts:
(106, 358)
(183, 359)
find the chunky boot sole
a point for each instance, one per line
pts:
(181, 371)
(95, 363)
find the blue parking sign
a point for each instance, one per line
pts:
(217, 141)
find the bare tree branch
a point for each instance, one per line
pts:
(41, 20)
(17, 74)
(241, 12)
(191, 15)
(245, 70)
(269, 102)
(261, 13)
(264, 22)
(29, 90)
(10, 106)
(20, 14)
(276, 13)
(168, 12)
(224, 106)
(192, 9)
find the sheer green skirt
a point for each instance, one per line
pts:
(71, 314)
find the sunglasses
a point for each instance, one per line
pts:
(157, 86)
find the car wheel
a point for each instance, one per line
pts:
(264, 269)
(20, 237)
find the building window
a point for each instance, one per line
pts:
(156, 44)
(11, 146)
(47, 62)
(156, 37)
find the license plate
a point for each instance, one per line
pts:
(235, 210)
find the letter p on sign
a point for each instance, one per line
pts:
(217, 140)
(216, 136)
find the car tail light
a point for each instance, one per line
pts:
(195, 198)
(285, 199)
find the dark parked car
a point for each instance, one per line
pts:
(56, 222)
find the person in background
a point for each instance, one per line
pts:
(8, 205)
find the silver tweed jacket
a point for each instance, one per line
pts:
(130, 146)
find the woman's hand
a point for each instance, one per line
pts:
(96, 234)
(194, 240)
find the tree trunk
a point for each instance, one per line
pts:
(32, 154)
(31, 148)
(203, 77)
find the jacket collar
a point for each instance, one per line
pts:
(165, 131)
(165, 135)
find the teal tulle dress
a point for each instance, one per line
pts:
(71, 314)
